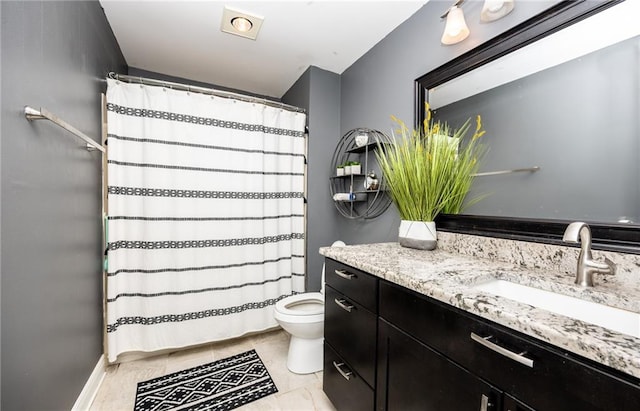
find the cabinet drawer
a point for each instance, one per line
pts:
(351, 330)
(565, 380)
(346, 390)
(353, 283)
(557, 380)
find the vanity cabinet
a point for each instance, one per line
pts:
(390, 348)
(496, 368)
(350, 333)
(413, 376)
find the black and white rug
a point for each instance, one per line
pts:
(221, 385)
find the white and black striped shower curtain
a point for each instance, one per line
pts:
(205, 216)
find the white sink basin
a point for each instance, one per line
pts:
(616, 319)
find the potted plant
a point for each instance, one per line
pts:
(355, 167)
(429, 171)
(340, 170)
(347, 168)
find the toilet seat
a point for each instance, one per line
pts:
(301, 304)
(300, 308)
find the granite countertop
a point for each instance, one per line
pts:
(449, 277)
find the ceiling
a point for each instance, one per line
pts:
(183, 38)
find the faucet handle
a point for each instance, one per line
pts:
(612, 266)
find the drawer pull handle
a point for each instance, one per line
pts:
(346, 374)
(485, 403)
(346, 275)
(501, 350)
(342, 303)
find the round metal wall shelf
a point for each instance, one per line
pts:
(355, 197)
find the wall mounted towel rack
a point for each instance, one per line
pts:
(33, 114)
(516, 170)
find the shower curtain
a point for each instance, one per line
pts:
(205, 216)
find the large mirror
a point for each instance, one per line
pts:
(560, 92)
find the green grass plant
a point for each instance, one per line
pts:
(430, 171)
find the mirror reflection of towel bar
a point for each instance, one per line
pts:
(33, 114)
(516, 170)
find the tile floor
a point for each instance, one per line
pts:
(295, 392)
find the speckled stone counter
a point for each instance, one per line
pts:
(448, 276)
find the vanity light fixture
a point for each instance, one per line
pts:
(455, 29)
(495, 9)
(240, 23)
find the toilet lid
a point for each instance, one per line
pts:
(301, 304)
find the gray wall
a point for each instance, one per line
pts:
(54, 55)
(318, 91)
(381, 83)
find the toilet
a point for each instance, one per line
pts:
(302, 316)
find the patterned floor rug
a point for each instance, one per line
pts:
(221, 385)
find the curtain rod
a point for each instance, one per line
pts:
(204, 90)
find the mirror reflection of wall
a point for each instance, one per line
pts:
(580, 122)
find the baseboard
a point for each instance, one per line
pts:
(88, 393)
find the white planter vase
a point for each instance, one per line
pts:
(356, 169)
(418, 234)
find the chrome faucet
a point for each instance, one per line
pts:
(587, 267)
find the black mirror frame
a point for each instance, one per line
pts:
(612, 237)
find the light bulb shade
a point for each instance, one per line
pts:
(455, 30)
(242, 24)
(495, 9)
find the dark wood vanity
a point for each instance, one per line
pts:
(391, 348)
(351, 331)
